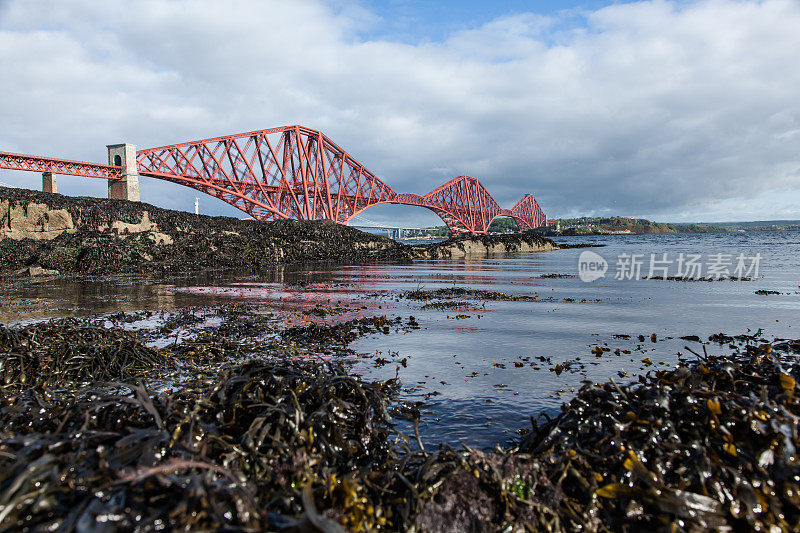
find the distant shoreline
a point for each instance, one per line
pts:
(586, 226)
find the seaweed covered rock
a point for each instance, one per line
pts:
(235, 452)
(287, 441)
(97, 236)
(461, 246)
(60, 352)
(340, 335)
(709, 445)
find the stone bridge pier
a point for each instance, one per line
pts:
(126, 188)
(49, 182)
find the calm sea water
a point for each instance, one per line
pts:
(482, 370)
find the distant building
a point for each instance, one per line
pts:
(553, 223)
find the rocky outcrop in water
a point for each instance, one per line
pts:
(43, 234)
(483, 245)
(94, 235)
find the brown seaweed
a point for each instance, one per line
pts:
(284, 441)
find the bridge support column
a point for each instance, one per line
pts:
(127, 188)
(48, 182)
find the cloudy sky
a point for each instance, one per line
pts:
(673, 110)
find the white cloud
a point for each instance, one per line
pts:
(659, 108)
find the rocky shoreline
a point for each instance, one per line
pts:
(240, 418)
(263, 434)
(460, 247)
(43, 233)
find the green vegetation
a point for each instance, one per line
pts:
(503, 225)
(605, 225)
(498, 225)
(594, 225)
(697, 228)
(762, 225)
(436, 231)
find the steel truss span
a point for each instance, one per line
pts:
(297, 173)
(58, 166)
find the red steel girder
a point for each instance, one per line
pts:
(58, 166)
(464, 204)
(293, 172)
(299, 173)
(527, 213)
(288, 172)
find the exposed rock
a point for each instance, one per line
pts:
(100, 236)
(37, 221)
(483, 245)
(34, 271)
(124, 229)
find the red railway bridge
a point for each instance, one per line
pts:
(291, 172)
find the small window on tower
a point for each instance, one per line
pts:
(118, 160)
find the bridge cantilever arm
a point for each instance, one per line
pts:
(67, 167)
